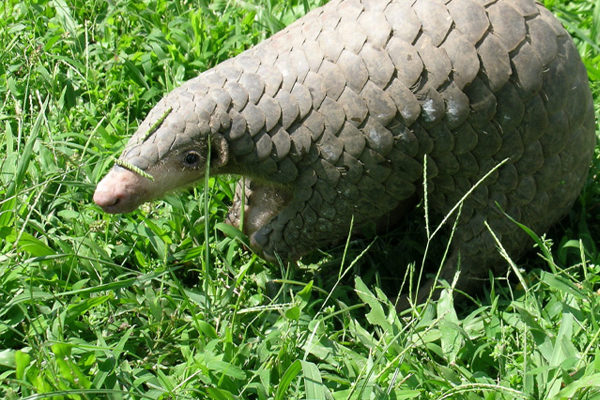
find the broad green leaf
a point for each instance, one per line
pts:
(76, 310)
(288, 376)
(585, 382)
(452, 339)
(313, 384)
(7, 358)
(232, 232)
(31, 245)
(22, 361)
(376, 316)
(220, 394)
(561, 284)
(293, 313)
(407, 394)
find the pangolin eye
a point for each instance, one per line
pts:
(191, 159)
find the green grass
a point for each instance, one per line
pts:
(94, 306)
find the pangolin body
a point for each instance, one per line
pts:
(333, 118)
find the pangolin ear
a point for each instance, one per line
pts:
(219, 151)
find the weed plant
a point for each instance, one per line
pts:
(166, 302)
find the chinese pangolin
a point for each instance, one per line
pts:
(332, 119)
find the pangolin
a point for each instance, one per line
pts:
(333, 119)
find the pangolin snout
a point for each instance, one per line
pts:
(119, 191)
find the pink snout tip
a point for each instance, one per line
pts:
(108, 198)
(104, 198)
(118, 192)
